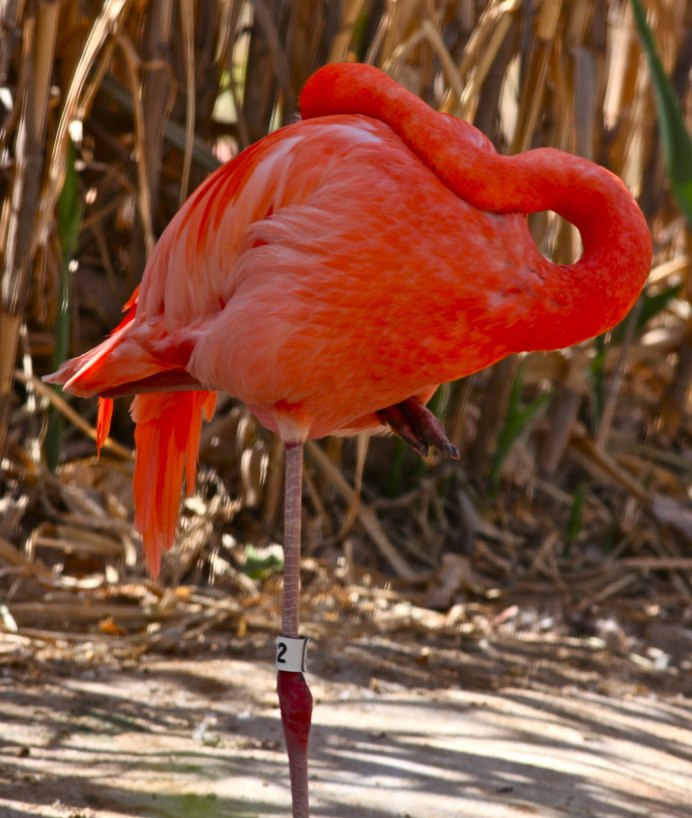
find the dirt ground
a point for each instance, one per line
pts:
(449, 730)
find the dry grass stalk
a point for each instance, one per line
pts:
(52, 397)
(367, 518)
(38, 38)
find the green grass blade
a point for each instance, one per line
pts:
(516, 420)
(650, 307)
(675, 140)
(574, 524)
(69, 208)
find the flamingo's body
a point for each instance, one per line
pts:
(346, 265)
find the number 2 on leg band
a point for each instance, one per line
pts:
(291, 654)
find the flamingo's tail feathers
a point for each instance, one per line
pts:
(103, 422)
(167, 445)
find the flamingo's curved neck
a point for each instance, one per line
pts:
(616, 241)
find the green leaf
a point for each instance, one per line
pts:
(516, 420)
(69, 208)
(675, 140)
(650, 306)
(261, 562)
(574, 524)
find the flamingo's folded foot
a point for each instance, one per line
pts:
(416, 425)
(295, 701)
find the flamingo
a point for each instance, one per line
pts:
(331, 276)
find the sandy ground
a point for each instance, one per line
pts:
(199, 735)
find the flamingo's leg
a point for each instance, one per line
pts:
(295, 699)
(416, 425)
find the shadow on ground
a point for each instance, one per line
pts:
(201, 737)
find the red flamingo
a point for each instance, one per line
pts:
(331, 276)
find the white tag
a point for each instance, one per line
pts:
(291, 654)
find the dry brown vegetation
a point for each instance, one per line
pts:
(575, 474)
